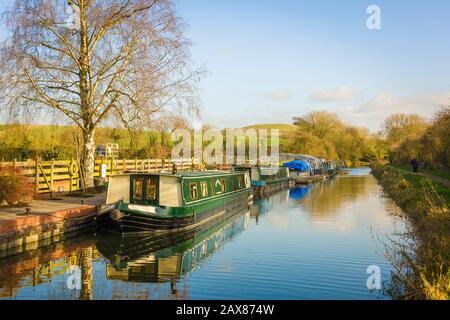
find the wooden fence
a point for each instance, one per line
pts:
(64, 176)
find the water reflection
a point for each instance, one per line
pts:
(312, 242)
(328, 197)
(40, 267)
(140, 259)
(299, 192)
(154, 259)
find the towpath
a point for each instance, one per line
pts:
(440, 180)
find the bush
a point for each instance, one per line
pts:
(57, 153)
(14, 187)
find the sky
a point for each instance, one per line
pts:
(269, 61)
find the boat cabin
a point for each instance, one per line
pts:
(261, 173)
(174, 190)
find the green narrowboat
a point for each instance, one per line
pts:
(148, 202)
(266, 180)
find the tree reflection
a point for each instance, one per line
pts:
(326, 198)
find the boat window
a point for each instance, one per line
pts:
(138, 186)
(223, 185)
(204, 187)
(151, 189)
(241, 182)
(193, 190)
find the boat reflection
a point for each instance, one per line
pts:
(262, 206)
(281, 199)
(167, 258)
(299, 192)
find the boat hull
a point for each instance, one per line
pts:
(131, 222)
(265, 189)
(309, 179)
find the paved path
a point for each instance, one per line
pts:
(40, 207)
(443, 181)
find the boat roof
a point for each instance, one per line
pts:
(184, 174)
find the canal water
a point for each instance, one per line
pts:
(313, 242)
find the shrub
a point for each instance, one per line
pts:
(14, 187)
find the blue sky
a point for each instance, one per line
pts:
(271, 60)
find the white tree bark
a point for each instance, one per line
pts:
(88, 159)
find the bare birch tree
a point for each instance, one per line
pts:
(91, 59)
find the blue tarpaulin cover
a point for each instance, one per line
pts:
(299, 165)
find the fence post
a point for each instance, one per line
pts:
(36, 177)
(52, 168)
(135, 164)
(71, 177)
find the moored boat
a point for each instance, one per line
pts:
(266, 180)
(303, 172)
(148, 202)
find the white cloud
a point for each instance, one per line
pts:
(280, 95)
(387, 103)
(374, 111)
(343, 93)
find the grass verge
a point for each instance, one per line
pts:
(441, 172)
(421, 272)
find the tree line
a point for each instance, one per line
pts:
(319, 133)
(21, 142)
(403, 137)
(323, 134)
(412, 136)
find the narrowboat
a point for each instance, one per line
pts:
(149, 202)
(266, 180)
(302, 172)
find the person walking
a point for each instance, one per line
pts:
(415, 165)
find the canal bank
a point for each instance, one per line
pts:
(44, 222)
(426, 205)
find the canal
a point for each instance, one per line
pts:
(311, 242)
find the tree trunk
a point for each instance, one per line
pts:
(88, 155)
(86, 274)
(88, 159)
